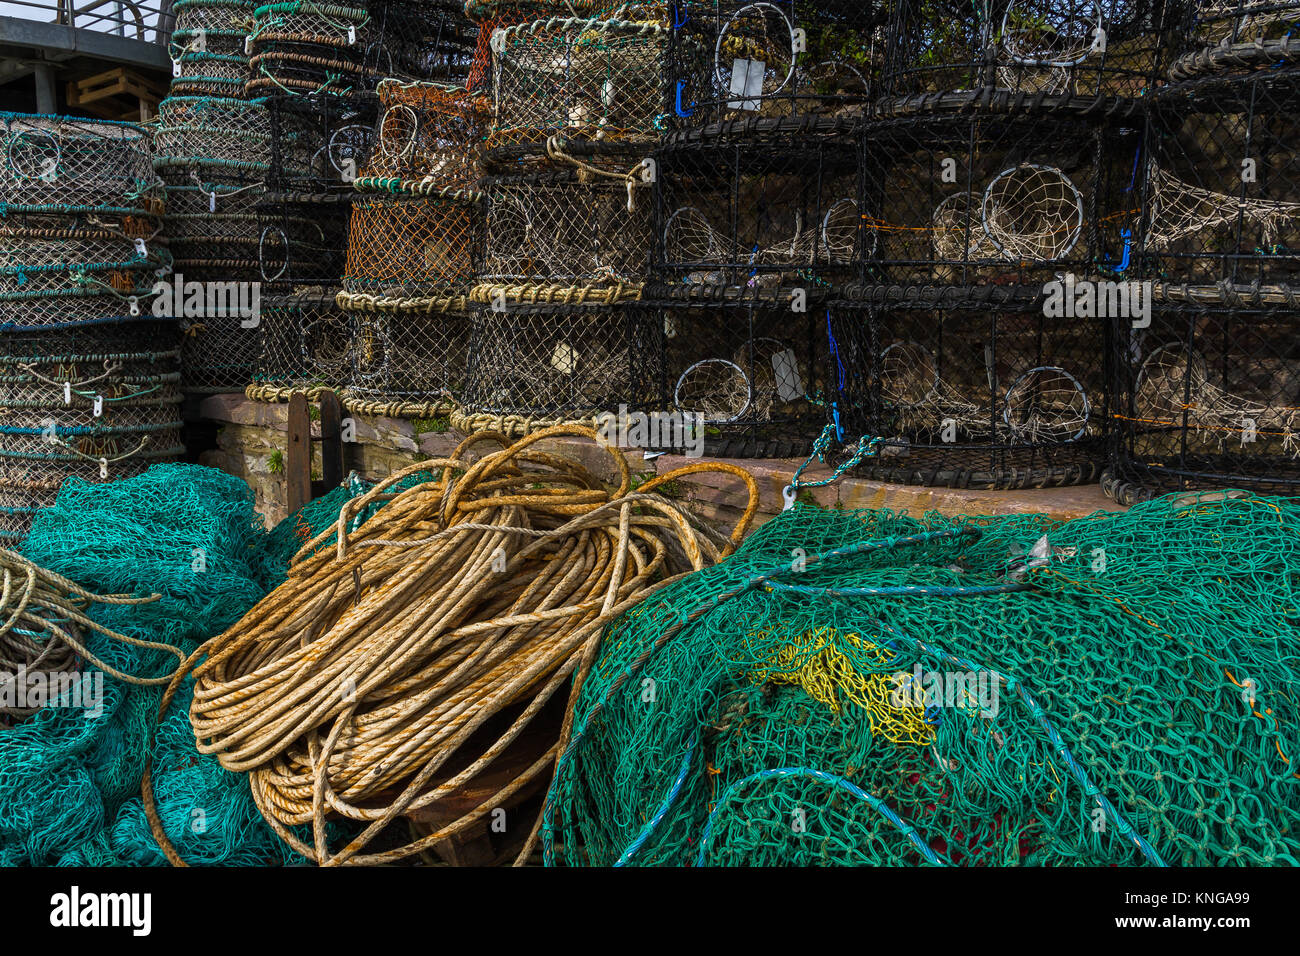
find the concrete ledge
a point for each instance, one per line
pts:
(252, 433)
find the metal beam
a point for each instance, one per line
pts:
(55, 38)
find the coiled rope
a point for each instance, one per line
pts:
(477, 593)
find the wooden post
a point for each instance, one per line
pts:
(297, 465)
(331, 441)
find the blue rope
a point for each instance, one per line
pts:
(662, 812)
(837, 781)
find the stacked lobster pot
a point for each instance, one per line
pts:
(757, 212)
(208, 47)
(213, 154)
(1208, 391)
(88, 375)
(1000, 195)
(318, 65)
(577, 105)
(415, 245)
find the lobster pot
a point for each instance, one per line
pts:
(1208, 397)
(95, 402)
(412, 247)
(408, 360)
(59, 271)
(535, 366)
(219, 246)
(428, 134)
(561, 234)
(219, 351)
(1053, 49)
(600, 80)
(489, 16)
(221, 138)
(736, 60)
(996, 198)
(62, 165)
(305, 343)
(990, 396)
(748, 373)
(302, 241)
(755, 213)
(1235, 36)
(332, 133)
(208, 47)
(307, 48)
(1223, 191)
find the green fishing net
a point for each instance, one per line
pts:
(70, 781)
(870, 688)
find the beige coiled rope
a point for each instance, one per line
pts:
(478, 594)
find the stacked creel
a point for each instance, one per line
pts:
(208, 47)
(213, 154)
(327, 64)
(757, 211)
(1001, 169)
(578, 103)
(88, 375)
(414, 245)
(1208, 393)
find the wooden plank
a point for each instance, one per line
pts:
(297, 464)
(331, 440)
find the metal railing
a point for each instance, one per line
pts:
(150, 21)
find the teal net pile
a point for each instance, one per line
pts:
(870, 688)
(70, 781)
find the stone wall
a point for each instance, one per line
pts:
(251, 443)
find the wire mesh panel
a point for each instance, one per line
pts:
(733, 59)
(304, 344)
(566, 235)
(1223, 190)
(335, 132)
(219, 351)
(302, 241)
(99, 402)
(1235, 36)
(207, 47)
(1208, 398)
(535, 366)
(489, 16)
(599, 79)
(750, 373)
(1050, 48)
(993, 397)
(429, 138)
(749, 213)
(408, 365)
(304, 47)
(65, 165)
(998, 198)
(412, 249)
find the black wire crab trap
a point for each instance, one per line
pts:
(593, 79)
(1223, 191)
(304, 346)
(407, 365)
(749, 374)
(735, 60)
(207, 47)
(1236, 36)
(1046, 49)
(1207, 398)
(531, 366)
(999, 197)
(79, 222)
(95, 402)
(301, 47)
(766, 209)
(579, 235)
(959, 395)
